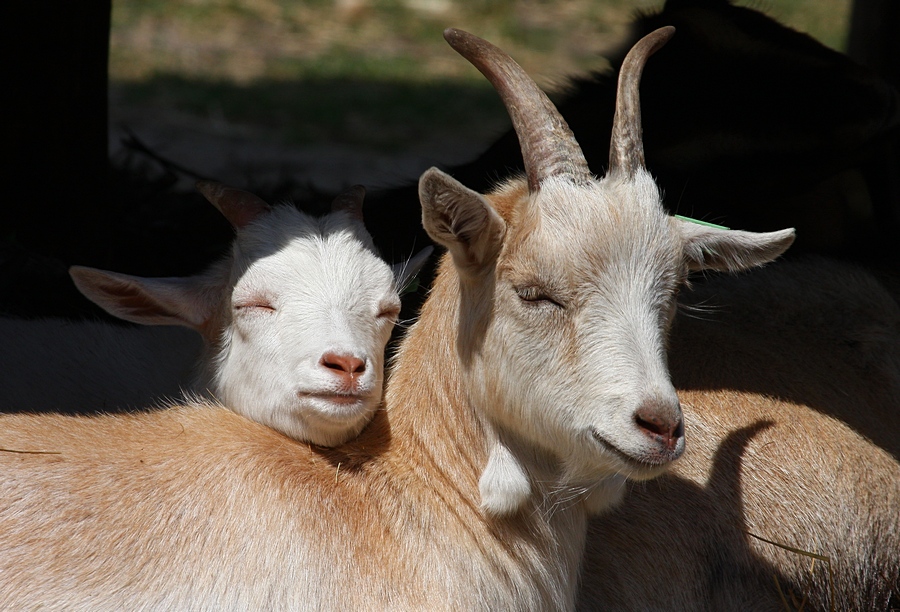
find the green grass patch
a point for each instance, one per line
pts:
(373, 72)
(377, 113)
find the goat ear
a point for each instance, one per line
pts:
(714, 248)
(148, 301)
(460, 219)
(406, 271)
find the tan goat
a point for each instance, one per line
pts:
(790, 384)
(538, 358)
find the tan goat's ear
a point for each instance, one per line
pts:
(460, 219)
(148, 301)
(715, 248)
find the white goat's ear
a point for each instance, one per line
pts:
(606, 495)
(405, 272)
(504, 485)
(148, 301)
(460, 219)
(715, 248)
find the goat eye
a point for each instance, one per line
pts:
(257, 305)
(536, 295)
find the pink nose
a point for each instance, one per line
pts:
(345, 366)
(660, 422)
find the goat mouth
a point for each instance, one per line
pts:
(649, 461)
(335, 398)
(333, 409)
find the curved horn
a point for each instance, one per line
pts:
(351, 201)
(548, 145)
(239, 207)
(626, 147)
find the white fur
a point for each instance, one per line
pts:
(573, 377)
(331, 295)
(504, 484)
(605, 494)
(295, 294)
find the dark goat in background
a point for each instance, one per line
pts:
(749, 124)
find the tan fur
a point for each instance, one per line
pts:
(541, 347)
(790, 383)
(198, 508)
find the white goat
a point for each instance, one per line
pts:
(543, 334)
(790, 387)
(294, 321)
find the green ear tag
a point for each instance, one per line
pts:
(699, 222)
(411, 286)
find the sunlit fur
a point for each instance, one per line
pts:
(199, 508)
(543, 299)
(325, 291)
(561, 376)
(592, 362)
(789, 387)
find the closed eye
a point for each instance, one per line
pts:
(536, 295)
(254, 306)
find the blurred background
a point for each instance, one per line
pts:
(116, 107)
(331, 91)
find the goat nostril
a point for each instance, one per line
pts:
(345, 364)
(655, 425)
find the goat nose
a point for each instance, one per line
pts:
(661, 422)
(343, 365)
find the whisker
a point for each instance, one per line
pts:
(704, 310)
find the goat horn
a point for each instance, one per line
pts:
(626, 147)
(548, 146)
(239, 207)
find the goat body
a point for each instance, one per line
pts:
(198, 508)
(789, 382)
(539, 355)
